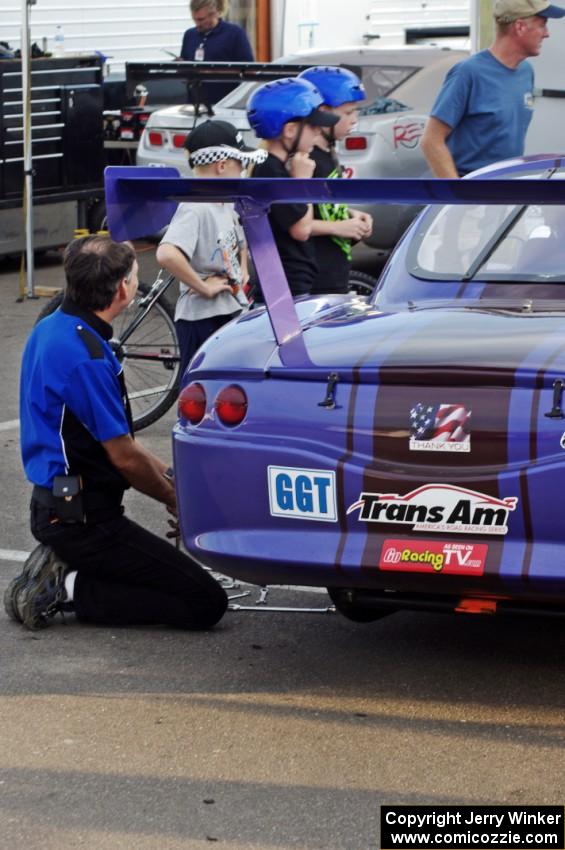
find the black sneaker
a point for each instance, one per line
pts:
(38, 557)
(43, 594)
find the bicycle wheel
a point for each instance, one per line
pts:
(150, 357)
(361, 283)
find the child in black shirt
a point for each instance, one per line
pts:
(286, 113)
(335, 226)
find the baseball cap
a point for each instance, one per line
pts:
(321, 118)
(507, 11)
(214, 141)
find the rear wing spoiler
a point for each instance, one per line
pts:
(218, 72)
(140, 201)
(196, 73)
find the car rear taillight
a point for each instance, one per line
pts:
(143, 118)
(178, 140)
(155, 138)
(231, 405)
(356, 143)
(192, 403)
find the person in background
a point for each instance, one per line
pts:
(213, 40)
(335, 226)
(287, 114)
(204, 246)
(485, 105)
(80, 454)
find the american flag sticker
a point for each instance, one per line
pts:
(440, 428)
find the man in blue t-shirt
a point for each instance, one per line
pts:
(79, 453)
(213, 40)
(485, 106)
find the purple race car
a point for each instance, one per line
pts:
(404, 451)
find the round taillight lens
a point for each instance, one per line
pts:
(231, 406)
(192, 403)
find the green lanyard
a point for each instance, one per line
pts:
(336, 212)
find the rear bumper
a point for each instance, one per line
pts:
(227, 524)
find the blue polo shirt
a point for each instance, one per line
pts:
(489, 108)
(225, 43)
(72, 398)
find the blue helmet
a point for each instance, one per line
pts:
(336, 85)
(288, 99)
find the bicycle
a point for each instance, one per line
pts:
(145, 342)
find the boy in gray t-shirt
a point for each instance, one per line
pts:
(204, 246)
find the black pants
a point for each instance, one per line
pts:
(191, 335)
(128, 576)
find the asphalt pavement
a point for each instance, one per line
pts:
(274, 731)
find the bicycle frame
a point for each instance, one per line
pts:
(158, 288)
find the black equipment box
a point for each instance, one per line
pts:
(66, 128)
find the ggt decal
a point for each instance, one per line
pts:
(439, 508)
(302, 493)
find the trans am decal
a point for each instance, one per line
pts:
(422, 556)
(302, 493)
(439, 508)
(440, 428)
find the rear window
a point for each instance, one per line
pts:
(382, 80)
(483, 242)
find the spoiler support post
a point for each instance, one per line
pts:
(274, 284)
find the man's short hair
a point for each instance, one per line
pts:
(94, 266)
(219, 5)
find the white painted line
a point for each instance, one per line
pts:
(9, 426)
(13, 555)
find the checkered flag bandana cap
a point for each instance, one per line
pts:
(214, 141)
(205, 156)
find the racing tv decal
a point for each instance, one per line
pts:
(422, 556)
(439, 508)
(302, 493)
(440, 428)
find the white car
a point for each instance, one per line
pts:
(401, 86)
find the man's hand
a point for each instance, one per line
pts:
(174, 534)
